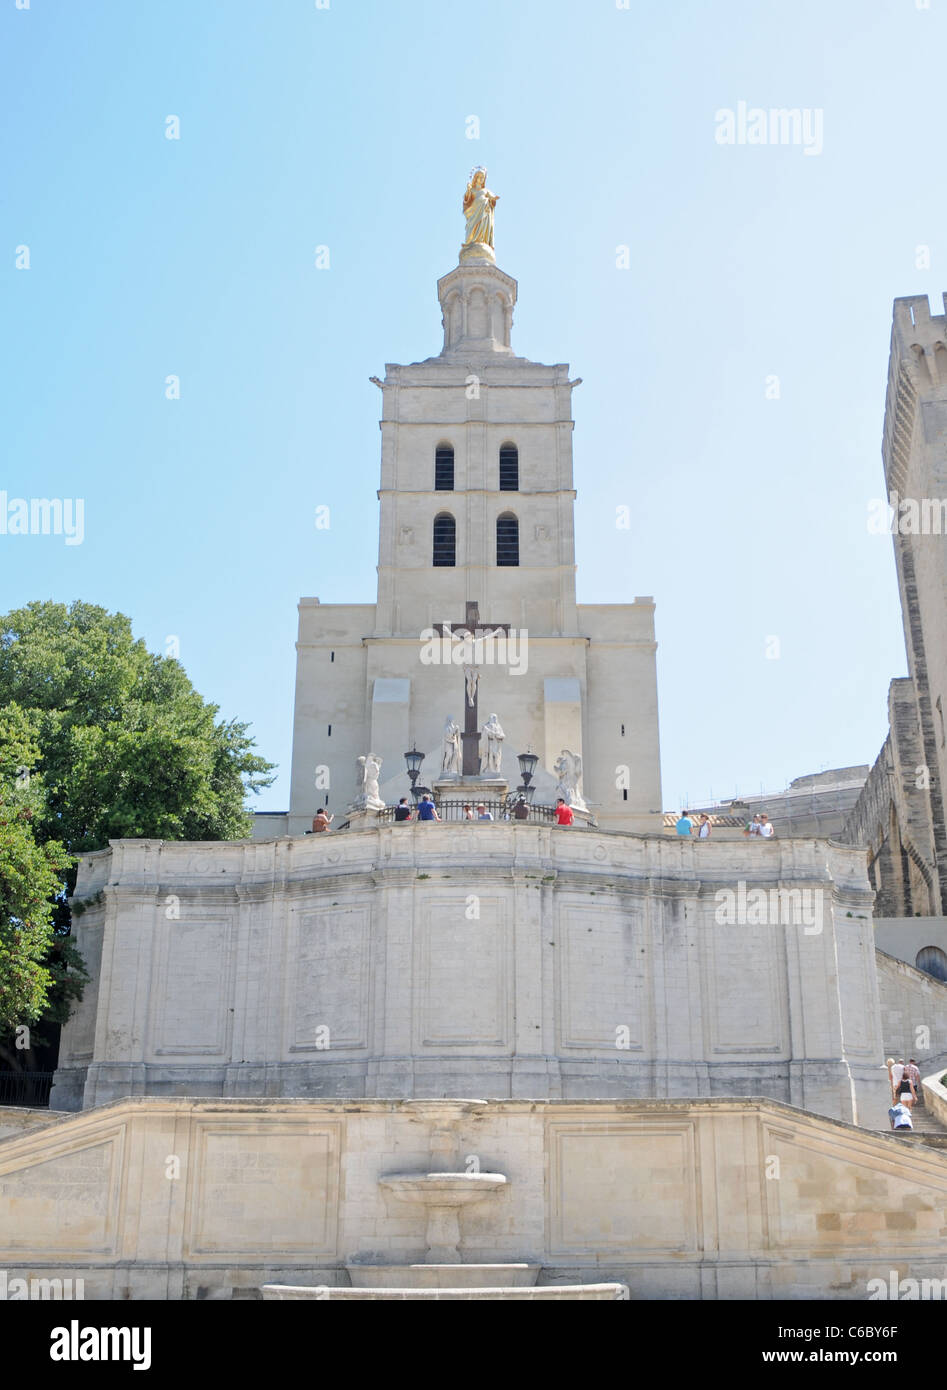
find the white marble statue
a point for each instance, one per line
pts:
(368, 768)
(493, 737)
(568, 768)
(451, 759)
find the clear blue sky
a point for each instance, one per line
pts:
(346, 127)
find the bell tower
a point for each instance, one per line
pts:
(476, 515)
(476, 479)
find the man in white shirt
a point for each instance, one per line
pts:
(767, 830)
(895, 1073)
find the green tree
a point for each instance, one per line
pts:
(32, 877)
(128, 749)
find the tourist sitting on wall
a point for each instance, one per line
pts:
(684, 825)
(703, 828)
(468, 811)
(564, 812)
(521, 809)
(426, 809)
(483, 813)
(767, 829)
(402, 810)
(322, 820)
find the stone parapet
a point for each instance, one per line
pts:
(495, 959)
(180, 1198)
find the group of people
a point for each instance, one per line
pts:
(905, 1078)
(685, 826)
(760, 825)
(519, 810)
(426, 810)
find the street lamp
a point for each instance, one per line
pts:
(413, 760)
(527, 762)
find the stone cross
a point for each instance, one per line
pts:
(470, 738)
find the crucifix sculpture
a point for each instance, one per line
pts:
(473, 628)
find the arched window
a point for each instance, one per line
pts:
(509, 468)
(444, 468)
(933, 961)
(445, 540)
(508, 539)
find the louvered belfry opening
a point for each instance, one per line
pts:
(444, 468)
(509, 468)
(508, 539)
(445, 540)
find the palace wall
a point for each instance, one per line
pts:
(913, 1012)
(721, 1199)
(892, 817)
(477, 959)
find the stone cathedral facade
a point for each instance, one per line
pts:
(476, 505)
(499, 1059)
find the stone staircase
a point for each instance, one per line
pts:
(927, 1130)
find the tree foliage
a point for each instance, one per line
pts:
(32, 875)
(99, 739)
(129, 748)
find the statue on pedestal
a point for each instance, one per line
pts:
(368, 768)
(479, 204)
(493, 737)
(450, 761)
(568, 768)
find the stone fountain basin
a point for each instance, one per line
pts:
(432, 1276)
(442, 1189)
(544, 1293)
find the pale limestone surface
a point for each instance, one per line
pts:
(913, 1012)
(902, 816)
(589, 683)
(571, 974)
(696, 1198)
(583, 1293)
(494, 959)
(905, 937)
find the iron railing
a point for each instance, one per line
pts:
(500, 810)
(30, 1088)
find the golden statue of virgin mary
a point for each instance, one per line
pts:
(479, 204)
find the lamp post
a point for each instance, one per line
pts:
(413, 760)
(527, 762)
